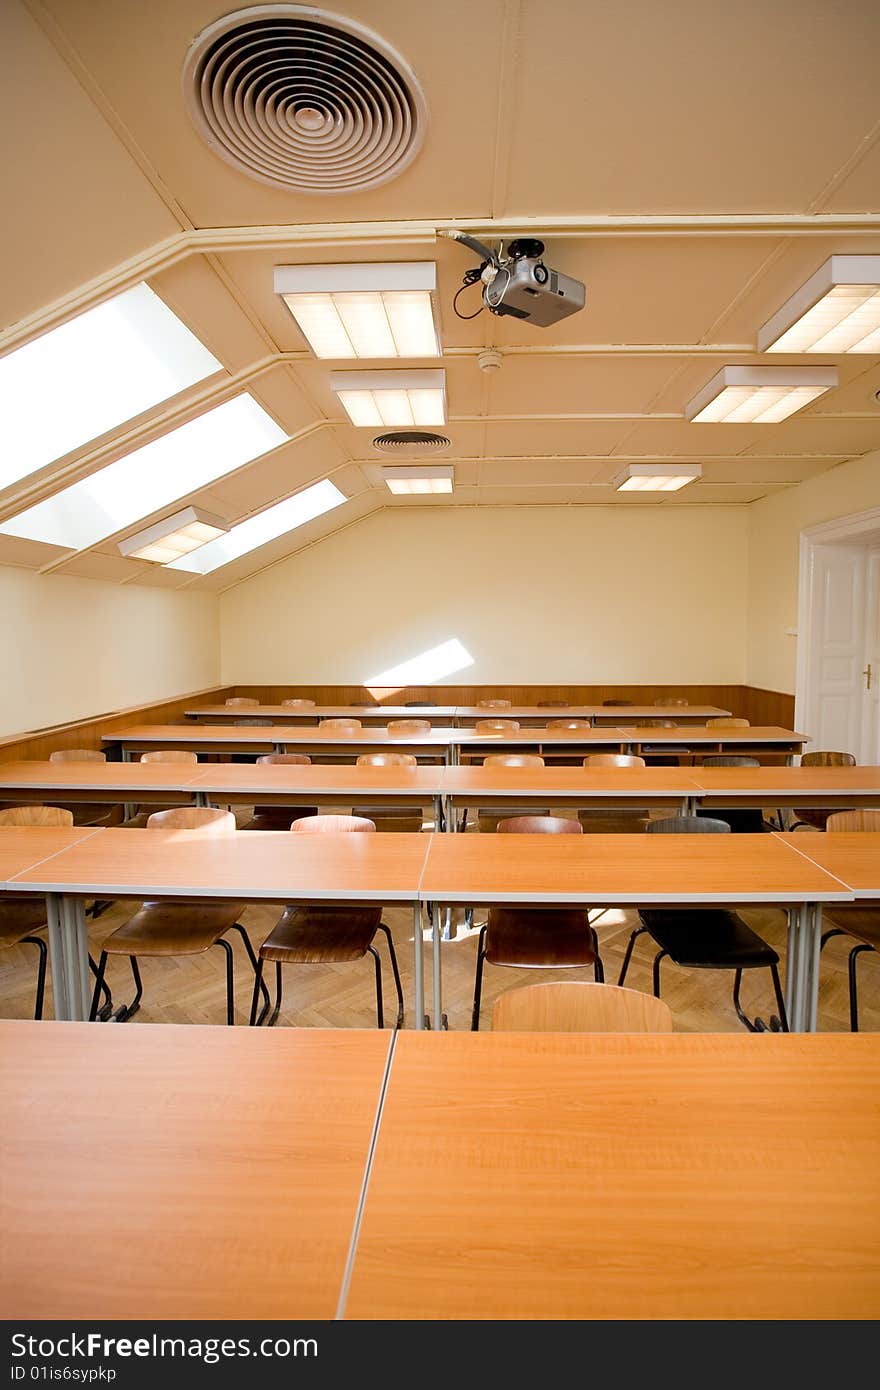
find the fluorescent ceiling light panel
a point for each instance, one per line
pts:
(758, 395)
(363, 310)
(656, 477)
(836, 311)
(266, 526)
(433, 478)
(392, 398)
(83, 379)
(174, 536)
(147, 480)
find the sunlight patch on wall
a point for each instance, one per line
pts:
(428, 666)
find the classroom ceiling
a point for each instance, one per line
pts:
(693, 164)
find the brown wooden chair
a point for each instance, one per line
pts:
(325, 935)
(280, 817)
(87, 812)
(862, 923)
(579, 1007)
(569, 724)
(400, 728)
(242, 702)
(488, 817)
(179, 929)
(496, 726)
(400, 820)
(21, 916)
(159, 755)
(351, 725)
(553, 704)
(815, 818)
(536, 938)
(668, 703)
(616, 820)
(298, 704)
(494, 704)
(616, 704)
(613, 760)
(727, 721)
(77, 755)
(707, 938)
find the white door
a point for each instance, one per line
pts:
(837, 649)
(870, 733)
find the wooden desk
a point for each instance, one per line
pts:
(853, 857)
(144, 783)
(314, 740)
(272, 866)
(756, 739)
(706, 1176)
(637, 870)
(604, 714)
(566, 786)
(579, 742)
(319, 784)
(377, 715)
(788, 786)
(182, 1172)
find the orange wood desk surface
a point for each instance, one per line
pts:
(182, 1172)
(24, 847)
(319, 782)
(853, 857)
(788, 786)
(216, 738)
(613, 1176)
(96, 781)
(474, 784)
(607, 714)
(368, 714)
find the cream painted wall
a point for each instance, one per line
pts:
(535, 594)
(775, 525)
(79, 647)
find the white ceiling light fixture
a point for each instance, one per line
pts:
(347, 311)
(758, 395)
(656, 477)
(408, 482)
(392, 398)
(174, 536)
(836, 311)
(262, 528)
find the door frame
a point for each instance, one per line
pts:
(843, 529)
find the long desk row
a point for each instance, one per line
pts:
(377, 715)
(797, 872)
(314, 1174)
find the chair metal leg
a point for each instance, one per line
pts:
(396, 972)
(629, 950)
(380, 1012)
(273, 1017)
(853, 993)
(598, 967)
(99, 980)
(41, 971)
(129, 1010)
(740, 1013)
(827, 935)
(230, 980)
(258, 987)
(657, 959)
(782, 1019)
(253, 960)
(106, 1008)
(478, 980)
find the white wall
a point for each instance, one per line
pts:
(79, 647)
(775, 525)
(536, 594)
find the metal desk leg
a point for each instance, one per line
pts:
(802, 968)
(437, 967)
(125, 754)
(202, 799)
(419, 965)
(69, 955)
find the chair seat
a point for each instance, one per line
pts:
(19, 917)
(312, 935)
(706, 939)
(278, 817)
(173, 929)
(538, 937)
(861, 922)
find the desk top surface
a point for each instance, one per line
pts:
(23, 847)
(615, 713)
(742, 780)
(182, 1172)
(277, 866)
(433, 712)
(566, 781)
(97, 776)
(853, 857)
(606, 869)
(754, 733)
(191, 734)
(523, 1176)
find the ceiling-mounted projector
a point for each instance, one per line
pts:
(518, 282)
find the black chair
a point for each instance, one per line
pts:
(705, 938)
(743, 820)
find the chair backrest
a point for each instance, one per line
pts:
(496, 726)
(617, 703)
(657, 724)
(853, 820)
(387, 760)
(513, 760)
(494, 704)
(204, 820)
(54, 816)
(569, 1007)
(420, 704)
(569, 724)
(666, 701)
(298, 704)
(552, 704)
(408, 726)
(688, 825)
(291, 758)
(242, 701)
(539, 825)
(731, 760)
(77, 755)
(253, 723)
(352, 724)
(169, 755)
(824, 759)
(332, 825)
(613, 760)
(726, 722)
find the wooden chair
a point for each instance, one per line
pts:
(351, 725)
(87, 812)
(400, 728)
(20, 915)
(298, 704)
(179, 929)
(743, 820)
(496, 726)
(663, 754)
(616, 704)
(243, 702)
(727, 722)
(815, 818)
(569, 724)
(668, 703)
(77, 755)
(494, 704)
(618, 820)
(707, 938)
(536, 938)
(613, 760)
(159, 755)
(579, 1007)
(862, 923)
(319, 935)
(489, 817)
(553, 704)
(280, 817)
(397, 819)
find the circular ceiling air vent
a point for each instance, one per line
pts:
(405, 442)
(304, 100)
